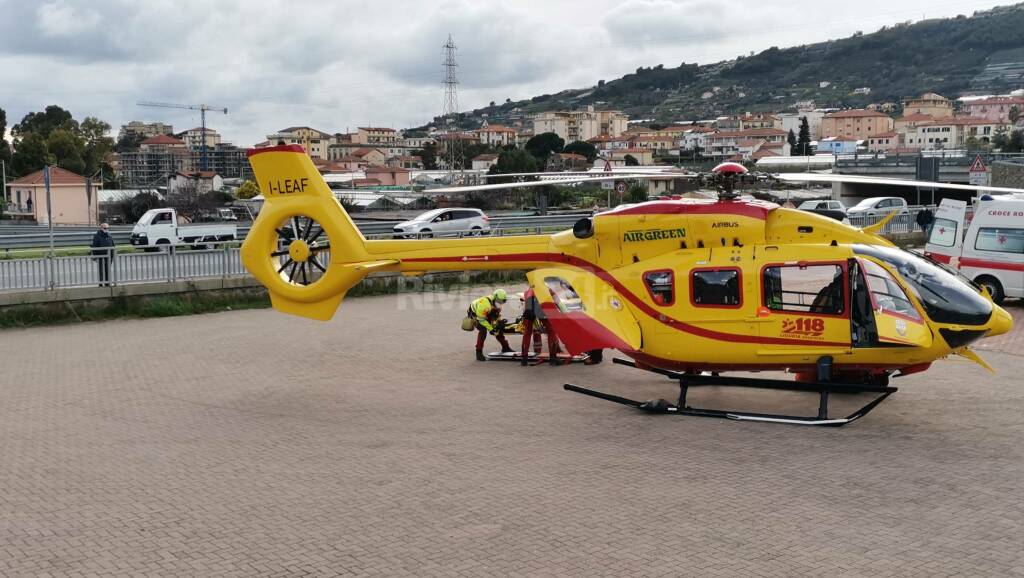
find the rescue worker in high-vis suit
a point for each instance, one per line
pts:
(486, 313)
(533, 318)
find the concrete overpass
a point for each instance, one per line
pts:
(952, 167)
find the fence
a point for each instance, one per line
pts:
(900, 224)
(86, 270)
(183, 262)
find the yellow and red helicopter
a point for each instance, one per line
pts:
(686, 288)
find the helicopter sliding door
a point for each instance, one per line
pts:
(585, 311)
(897, 321)
(805, 305)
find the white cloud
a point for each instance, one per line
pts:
(59, 18)
(341, 64)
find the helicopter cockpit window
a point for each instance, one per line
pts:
(805, 289)
(661, 286)
(886, 294)
(563, 295)
(716, 288)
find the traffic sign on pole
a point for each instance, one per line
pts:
(978, 173)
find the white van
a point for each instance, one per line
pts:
(990, 250)
(159, 227)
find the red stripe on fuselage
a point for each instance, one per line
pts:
(635, 300)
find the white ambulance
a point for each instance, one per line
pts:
(990, 250)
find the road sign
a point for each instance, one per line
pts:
(978, 173)
(620, 187)
(608, 185)
(978, 166)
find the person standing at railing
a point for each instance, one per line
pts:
(925, 218)
(103, 253)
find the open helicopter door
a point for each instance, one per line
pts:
(947, 236)
(897, 320)
(586, 312)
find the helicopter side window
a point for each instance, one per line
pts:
(661, 286)
(716, 288)
(563, 295)
(886, 294)
(804, 289)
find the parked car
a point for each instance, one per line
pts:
(822, 205)
(877, 206)
(159, 227)
(444, 223)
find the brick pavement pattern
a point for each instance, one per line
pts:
(253, 443)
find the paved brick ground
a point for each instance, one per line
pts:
(251, 443)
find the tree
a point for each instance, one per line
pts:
(1001, 139)
(1015, 143)
(31, 155)
(43, 123)
(428, 154)
(791, 139)
(130, 141)
(65, 148)
(582, 148)
(803, 141)
(97, 145)
(514, 161)
(631, 161)
(5, 149)
(637, 193)
(1014, 114)
(542, 145)
(247, 190)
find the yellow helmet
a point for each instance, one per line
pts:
(500, 296)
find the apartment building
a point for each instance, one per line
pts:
(728, 144)
(857, 124)
(581, 124)
(996, 109)
(157, 157)
(144, 129)
(315, 142)
(929, 103)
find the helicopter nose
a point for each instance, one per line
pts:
(1001, 322)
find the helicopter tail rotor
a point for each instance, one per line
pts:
(303, 247)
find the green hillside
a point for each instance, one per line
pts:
(982, 53)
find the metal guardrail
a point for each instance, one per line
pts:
(208, 260)
(37, 236)
(214, 260)
(902, 224)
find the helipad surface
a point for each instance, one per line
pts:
(251, 443)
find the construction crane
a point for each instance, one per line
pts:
(202, 108)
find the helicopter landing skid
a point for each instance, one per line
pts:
(823, 388)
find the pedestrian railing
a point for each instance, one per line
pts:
(903, 223)
(213, 260)
(167, 265)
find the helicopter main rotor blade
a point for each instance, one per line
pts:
(597, 173)
(523, 185)
(857, 179)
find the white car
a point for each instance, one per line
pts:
(826, 205)
(455, 222)
(877, 206)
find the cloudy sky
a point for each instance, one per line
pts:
(335, 65)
